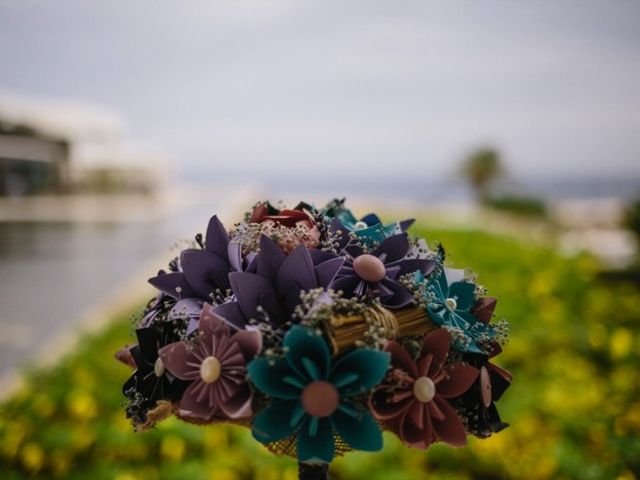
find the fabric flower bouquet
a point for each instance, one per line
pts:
(318, 331)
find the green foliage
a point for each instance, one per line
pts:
(481, 169)
(518, 205)
(574, 407)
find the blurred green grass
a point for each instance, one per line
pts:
(574, 406)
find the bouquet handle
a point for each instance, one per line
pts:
(313, 471)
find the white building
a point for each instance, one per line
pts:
(51, 146)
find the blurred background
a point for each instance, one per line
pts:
(511, 131)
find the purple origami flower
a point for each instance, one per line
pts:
(216, 367)
(204, 271)
(273, 291)
(376, 274)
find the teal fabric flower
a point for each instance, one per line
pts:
(451, 306)
(312, 396)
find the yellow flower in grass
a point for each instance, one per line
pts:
(81, 405)
(32, 457)
(620, 343)
(172, 448)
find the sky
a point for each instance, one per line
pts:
(351, 88)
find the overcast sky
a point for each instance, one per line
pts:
(380, 87)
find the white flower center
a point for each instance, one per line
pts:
(360, 225)
(424, 389)
(451, 303)
(210, 369)
(158, 367)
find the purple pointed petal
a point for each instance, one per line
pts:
(320, 256)
(411, 265)
(234, 254)
(296, 274)
(401, 296)
(205, 271)
(405, 224)
(395, 248)
(231, 314)
(252, 291)
(327, 271)
(269, 259)
(217, 237)
(173, 284)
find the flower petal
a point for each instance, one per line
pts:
(180, 360)
(173, 284)
(148, 342)
(483, 309)
(191, 406)
(357, 428)
(305, 349)
(269, 259)
(296, 274)
(253, 291)
(368, 364)
(205, 271)
(459, 379)
(217, 238)
(383, 406)
(327, 271)
(435, 343)
(273, 422)
(231, 314)
(450, 429)
(249, 341)
(211, 324)
(464, 293)
(401, 296)
(395, 247)
(400, 358)
(316, 444)
(268, 375)
(239, 405)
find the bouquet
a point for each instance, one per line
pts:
(318, 330)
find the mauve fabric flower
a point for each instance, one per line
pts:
(204, 270)
(412, 400)
(376, 274)
(216, 367)
(273, 291)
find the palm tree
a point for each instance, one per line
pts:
(481, 169)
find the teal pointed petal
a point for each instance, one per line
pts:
(318, 447)
(440, 285)
(464, 293)
(275, 378)
(305, 343)
(274, 423)
(367, 366)
(358, 429)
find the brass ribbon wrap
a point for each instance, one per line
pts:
(344, 331)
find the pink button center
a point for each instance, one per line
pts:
(320, 399)
(369, 268)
